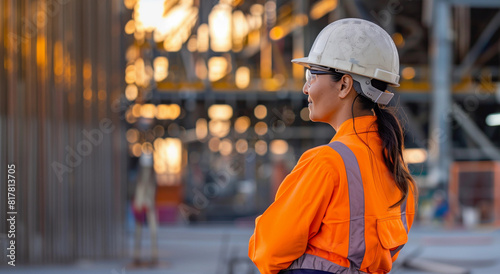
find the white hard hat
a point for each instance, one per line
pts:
(359, 48)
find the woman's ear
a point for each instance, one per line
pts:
(345, 86)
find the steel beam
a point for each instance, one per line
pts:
(441, 56)
(478, 47)
(475, 3)
(476, 134)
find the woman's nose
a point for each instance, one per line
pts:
(305, 89)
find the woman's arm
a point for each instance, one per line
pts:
(283, 231)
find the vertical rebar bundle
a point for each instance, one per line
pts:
(60, 80)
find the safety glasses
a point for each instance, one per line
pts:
(312, 75)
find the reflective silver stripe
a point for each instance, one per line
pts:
(403, 219)
(403, 215)
(393, 252)
(308, 261)
(357, 244)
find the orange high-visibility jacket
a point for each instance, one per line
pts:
(333, 211)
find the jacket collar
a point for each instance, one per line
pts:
(363, 124)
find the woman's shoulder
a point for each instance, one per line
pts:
(321, 155)
(315, 165)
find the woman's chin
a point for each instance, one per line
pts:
(314, 117)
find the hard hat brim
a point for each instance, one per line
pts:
(305, 62)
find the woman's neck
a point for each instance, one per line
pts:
(346, 114)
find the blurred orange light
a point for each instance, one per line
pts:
(160, 64)
(175, 27)
(139, 34)
(261, 147)
(175, 111)
(142, 78)
(87, 70)
(130, 74)
(274, 83)
(220, 112)
(260, 128)
(242, 77)
(279, 147)
(132, 135)
(173, 44)
(168, 156)
(242, 124)
(225, 147)
(129, 4)
(147, 148)
(164, 112)
(276, 33)
(192, 44)
(414, 155)
(220, 23)
(87, 94)
(321, 8)
(213, 144)
(398, 39)
(201, 69)
(240, 30)
(148, 111)
(41, 47)
(301, 19)
(257, 9)
(260, 112)
(130, 27)
(58, 60)
(408, 73)
(304, 114)
(131, 92)
(149, 13)
(217, 68)
(136, 110)
(130, 117)
(201, 129)
(202, 38)
(219, 128)
(136, 149)
(241, 146)
(157, 143)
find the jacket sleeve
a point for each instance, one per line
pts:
(284, 229)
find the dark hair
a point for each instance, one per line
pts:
(391, 133)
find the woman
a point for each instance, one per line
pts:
(347, 206)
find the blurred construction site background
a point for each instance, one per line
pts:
(90, 89)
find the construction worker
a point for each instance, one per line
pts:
(347, 206)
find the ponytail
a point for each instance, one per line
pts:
(391, 133)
